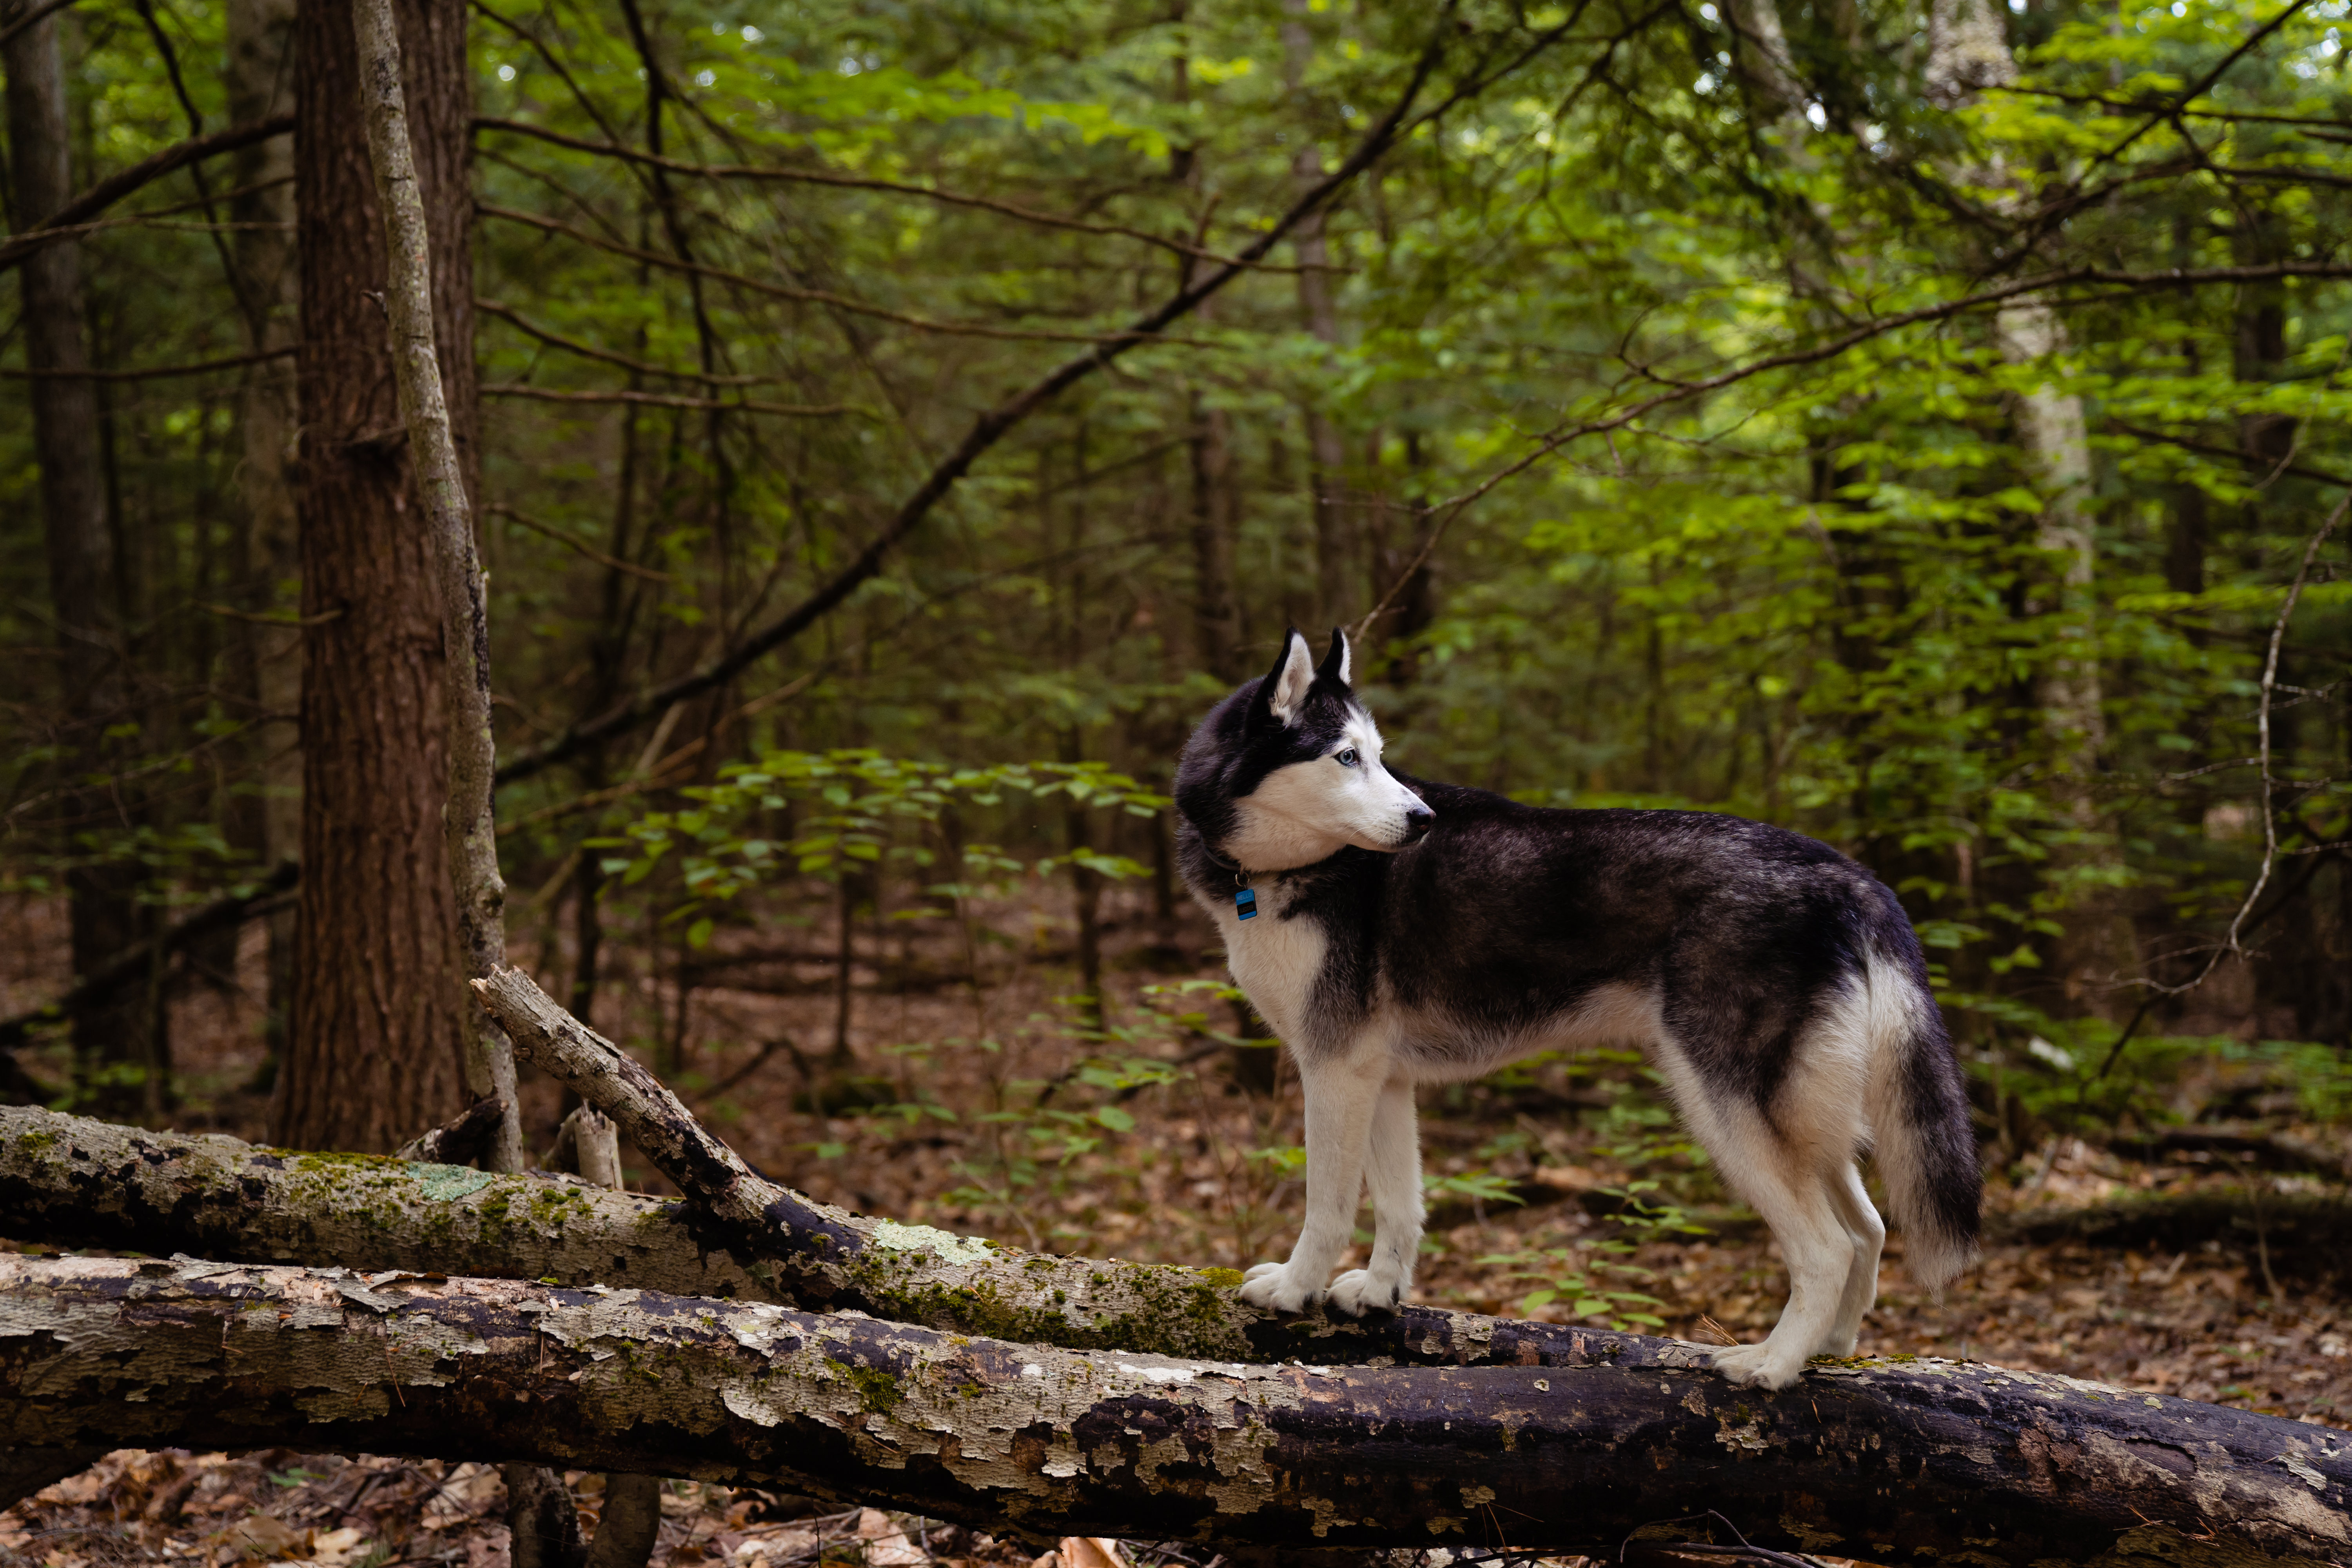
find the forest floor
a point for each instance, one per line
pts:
(998, 1108)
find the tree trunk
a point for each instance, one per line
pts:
(1216, 520)
(2096, 951)
(261, 70)
(376, 1046)
(1929, 1458)
(85, 591)
(1326, 453)
(469, 818)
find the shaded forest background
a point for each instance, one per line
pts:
(1907, 424)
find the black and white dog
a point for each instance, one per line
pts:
(1396, 933)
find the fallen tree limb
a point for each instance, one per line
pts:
(1892, 1462)
(2311, 1230)
(68, 1181)
(2251, 1143)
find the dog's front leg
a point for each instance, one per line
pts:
(1393, 1172)
(1342, 1095)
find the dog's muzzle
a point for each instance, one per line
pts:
(1417, 818)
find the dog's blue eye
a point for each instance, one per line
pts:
(1346, 759)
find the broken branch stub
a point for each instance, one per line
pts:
(1892, 1462)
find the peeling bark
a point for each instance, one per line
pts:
(1888, 1461)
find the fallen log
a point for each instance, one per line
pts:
(1888, 1461)
(70, 1182)
(2309, 1232)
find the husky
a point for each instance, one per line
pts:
(1396, 931)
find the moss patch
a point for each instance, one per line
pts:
(877, 1390)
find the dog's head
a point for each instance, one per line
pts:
(1286, 771)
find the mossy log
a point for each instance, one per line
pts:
(70, 1182)
(1891, 1462)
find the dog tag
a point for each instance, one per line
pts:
(1244, 903)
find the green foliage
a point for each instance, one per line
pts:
(726, 842)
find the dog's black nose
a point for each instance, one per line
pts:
(1417, 818)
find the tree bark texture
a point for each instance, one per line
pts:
(374, 1051)
(85, 594)
(470, 825)
(1893, 1462)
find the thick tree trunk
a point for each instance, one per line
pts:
(84, 593)
(1931, 1459)
(375, 1049)
(470, 825)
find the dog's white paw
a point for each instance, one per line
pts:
(1357, 1292)
(1270, 1286)
(1758, 1366)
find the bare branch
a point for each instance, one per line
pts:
(108, 192)
(664, 400)
(814, 296)
(772, 172)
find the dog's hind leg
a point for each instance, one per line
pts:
(1343, 1094)
(1796, 1202)
(1393, 1171)
(1868, 1234)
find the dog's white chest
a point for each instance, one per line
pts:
(1275, 962)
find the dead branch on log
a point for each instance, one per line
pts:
(1931, 1458)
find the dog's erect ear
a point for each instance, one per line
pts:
(1282, 692)
(1335, 663)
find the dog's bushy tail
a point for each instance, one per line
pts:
(1925, 1147)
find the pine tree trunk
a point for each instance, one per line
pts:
(375, 1047)
(470, 825)
(1336, 542)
